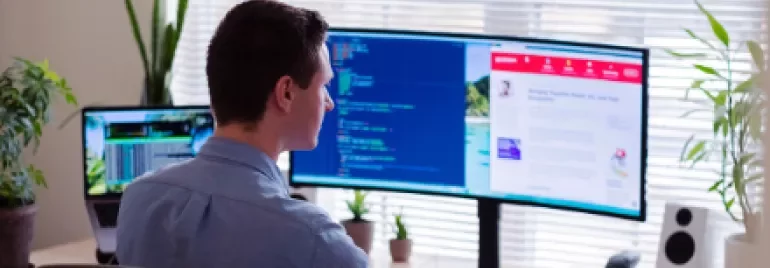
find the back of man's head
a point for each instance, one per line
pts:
(257, 43)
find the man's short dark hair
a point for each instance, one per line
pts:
(257, 43)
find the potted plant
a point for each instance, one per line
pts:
(27, 90)
(401, 246)
(164, 39)
(736, 104)
(358, 228)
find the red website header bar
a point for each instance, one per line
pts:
(570, 67)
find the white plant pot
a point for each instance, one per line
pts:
(739, 253)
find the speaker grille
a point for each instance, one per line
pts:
(680, 248)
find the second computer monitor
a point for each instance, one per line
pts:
(528, 121)
(123, 143)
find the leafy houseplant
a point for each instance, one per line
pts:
(401, 246)
(358, 228)
(163, 43)
(736, 105)
(27, 91)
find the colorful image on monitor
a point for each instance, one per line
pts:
(123, 144)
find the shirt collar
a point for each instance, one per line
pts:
(242, 154)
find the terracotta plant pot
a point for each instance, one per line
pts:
(400, 250)
(16, 236)
(362, 233)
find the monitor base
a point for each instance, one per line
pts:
(106, 257)
(489, 233)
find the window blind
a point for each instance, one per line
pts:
(532, 237)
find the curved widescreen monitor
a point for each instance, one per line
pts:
(123, 143)
(527, 121)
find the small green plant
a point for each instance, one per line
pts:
(27, 91)
(163, 43)
(358, 205)
(737, 109)
(400, 230)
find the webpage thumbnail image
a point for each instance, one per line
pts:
(123, 145)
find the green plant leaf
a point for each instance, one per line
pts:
(156, 24)
(358, 205)
(745, 159)
(37, 176)
(71, 99)
(695, 84)
(167, 54)
(700, 157)
(708, 94)
(696, 149)
(685, 55)
(729, 203)
(720, 123)
(757, 54)
(744, 86)
(135, 29)
(715, 186)
(716, 27)
(683, 154)
(708, 70)
(181, 12)
(703, 41)
(721, 98)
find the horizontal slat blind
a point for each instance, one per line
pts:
(533, 237)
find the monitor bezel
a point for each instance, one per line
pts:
(642, 217)
(128, 108)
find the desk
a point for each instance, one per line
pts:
(83, 252)
(74, 252)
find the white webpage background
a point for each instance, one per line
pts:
(569, 129)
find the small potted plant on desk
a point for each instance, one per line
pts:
(358, 228)
(401, 246)
(27, 90)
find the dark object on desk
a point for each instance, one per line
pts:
(625, 259)
(298, 196)
(106, 257)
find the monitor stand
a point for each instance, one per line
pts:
(489, 233)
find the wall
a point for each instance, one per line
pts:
(90, 43)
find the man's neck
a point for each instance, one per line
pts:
(263, 141)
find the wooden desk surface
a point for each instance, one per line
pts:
(74, 252)
(83, 252)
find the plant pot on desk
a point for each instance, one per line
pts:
(400, 250)
(743, 248)
(362, 233)
(740, 253)
(16, 231)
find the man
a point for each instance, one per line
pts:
(230, 207)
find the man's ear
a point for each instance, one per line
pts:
(283, 93)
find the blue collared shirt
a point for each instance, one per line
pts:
(228, 207)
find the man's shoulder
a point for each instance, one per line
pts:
(331, 238)
(309, 215)
(163, 174)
